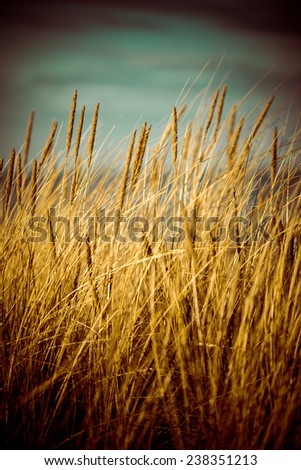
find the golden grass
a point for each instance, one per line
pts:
(76, 169)
(46, 153)
(28, 138)
(174, 138)
(19, 177)
(92, 135)
(34, 187)
(9, 181)
(71, 124)
(126, 172)
(274, 157)
(138, 157)
(151, 341)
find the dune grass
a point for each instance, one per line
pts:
(176, 325)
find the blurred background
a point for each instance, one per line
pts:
(140, 58)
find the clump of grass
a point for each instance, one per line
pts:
(158, 335)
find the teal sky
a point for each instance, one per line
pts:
(136, 63)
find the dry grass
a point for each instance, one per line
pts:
(154, 342)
